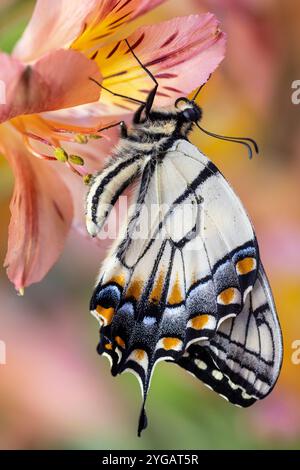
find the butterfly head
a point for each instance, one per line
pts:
(188, 110)
(175, 121)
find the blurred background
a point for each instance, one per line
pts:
(55, 392)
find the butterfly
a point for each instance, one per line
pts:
(183, 282)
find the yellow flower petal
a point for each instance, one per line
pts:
(106, 24)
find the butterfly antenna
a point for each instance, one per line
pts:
(116, 94)
(151, 96)
(246, 141)
(148, 72)
(200, 88)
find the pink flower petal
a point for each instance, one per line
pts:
(58, 80)
(146, 5)
(41, 213)
(53, 25)
(131, 8)
(57, 23)
(181, 53)
(107, 21)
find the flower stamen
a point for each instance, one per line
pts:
(81, 139)
(60, 154)
(76, 160)
(34, 152)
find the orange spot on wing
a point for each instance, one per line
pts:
(199, 321)
(171, 343)
(139, 354)
(176, 295)
(120, 341)
(227, 296)
(245, 265)
(106, 313)
(158, 288)
(135, 289)
(118, 279)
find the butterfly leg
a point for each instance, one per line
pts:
(123, 129)
(145, 107)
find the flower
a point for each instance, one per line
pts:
(52, 107)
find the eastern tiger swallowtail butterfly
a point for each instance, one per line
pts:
(193, 289)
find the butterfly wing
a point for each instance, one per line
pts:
(243, 360)
(221, 259)
(106, 187)
(185, 261)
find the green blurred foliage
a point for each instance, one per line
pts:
(14, 16)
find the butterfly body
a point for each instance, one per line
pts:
(184, 280)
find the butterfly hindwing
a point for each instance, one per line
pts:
(243, 359)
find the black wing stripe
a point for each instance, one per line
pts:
(107, 178)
